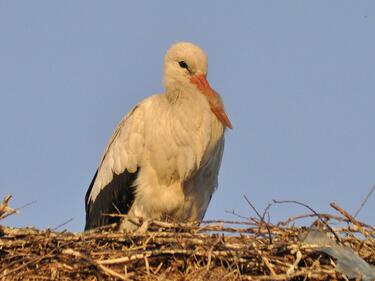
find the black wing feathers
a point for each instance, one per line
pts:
(117, 196)
(88, 194)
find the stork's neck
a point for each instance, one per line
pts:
(191, 109)
(186, 97)
(173, 96)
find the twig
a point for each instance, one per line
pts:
(365, 201)
(344, 213)
(266, 210)
(126, 259)
(36, 260)
(105, 269)
(254, 209)
(147, 265)
(268, 264)
(311, 274)
(236, 214)
(13, 211)
(111, 226)
(227, 222)
(268, 221)
(308, 215)
(294, 266)
(261, 218)
(62, 224)
(4, 207)
(312, 210)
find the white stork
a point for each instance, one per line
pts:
(163, 159)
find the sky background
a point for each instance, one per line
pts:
(297, 78)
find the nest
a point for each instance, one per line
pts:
(217, 250)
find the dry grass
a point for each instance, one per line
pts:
(250, 250)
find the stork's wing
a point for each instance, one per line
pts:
(206, 179)
(112, 188)
(210, 172)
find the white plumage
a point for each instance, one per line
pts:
(163, 159)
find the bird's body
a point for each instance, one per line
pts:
(163, 159)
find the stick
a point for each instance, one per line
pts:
(312, 210)
(62, 224)
(364, 201)
(261, 218)
(105, 269)
(344, 213)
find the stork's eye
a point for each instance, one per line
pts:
(183, 64)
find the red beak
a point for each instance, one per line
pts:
(213, 98)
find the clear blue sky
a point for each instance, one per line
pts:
(297, 78)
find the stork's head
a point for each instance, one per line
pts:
(185, 67)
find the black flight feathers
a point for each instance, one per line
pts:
(117, 196)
